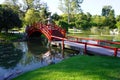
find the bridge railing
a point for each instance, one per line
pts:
(29, 30)
(89, 40)
(91, 44)
(63, 31)
(56, 27)
(46, 30)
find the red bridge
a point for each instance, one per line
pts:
(48, 30)
(55, 33)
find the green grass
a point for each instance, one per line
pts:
(9, 37)
(115, 45)
(78, 68)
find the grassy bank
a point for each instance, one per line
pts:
(10, 37)
(78, 68)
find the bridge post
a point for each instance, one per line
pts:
(115, 52)
(98, 42)
(85, 49)
(63, 43)
(77, 40)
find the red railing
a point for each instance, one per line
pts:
(88, 39)
(76, 40)
(55, 27)
(45, 29)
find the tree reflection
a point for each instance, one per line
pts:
(9, 55)
(37, 46)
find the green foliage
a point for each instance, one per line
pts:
(31, 16)
(118, 25)
(106, 10)
(94, 30)
(98, 20)
(55, 17)
(44, 14)
(63, 24)
(82, 21)
(9, 18)
(109, 13)
(71, 6)
(10, 37)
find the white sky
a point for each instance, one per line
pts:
(92, 6)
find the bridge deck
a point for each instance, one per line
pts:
(90, 48)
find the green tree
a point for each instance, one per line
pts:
(82, 21)
(106, 10)
(118, 22)
(112, 20)
(31, 17)
(109, 13)
(63, 24)
(32, 4)
(118, 25)
(70, 6)
(118, 18)
(99, 21)
(55, 17)
(9, 18)
(88, 16)
(44, 14)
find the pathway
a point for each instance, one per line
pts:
(89, 48)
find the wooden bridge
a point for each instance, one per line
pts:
(56, 35)
(48, 30)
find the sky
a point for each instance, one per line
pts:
(92, 6)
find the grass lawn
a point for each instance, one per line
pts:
(10, 37)
(78, 68)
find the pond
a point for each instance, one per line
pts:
(19, 57)
(96, 36)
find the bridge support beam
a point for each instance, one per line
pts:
(63, 43)
(115, 51)
(85, 49)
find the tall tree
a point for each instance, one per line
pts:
(112, 20)
(44, 14)
(98, 21)
(106, 10)
(36, 4)
(31, 17)
(118, 22)
(109, 13)
(70, 6)
(55, 17)
(9, 18)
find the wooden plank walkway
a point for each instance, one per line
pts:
(92, 49)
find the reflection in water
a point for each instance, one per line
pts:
(35, 54)
(9, 56)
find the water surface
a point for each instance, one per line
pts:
(19, 57)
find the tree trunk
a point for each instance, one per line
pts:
(0, 30)
(6, 30)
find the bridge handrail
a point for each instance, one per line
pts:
(65, 39)
(85, 43)
(56, 27)
(77, 38)
(45, 29)
(63, 31)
